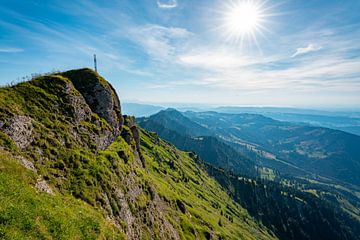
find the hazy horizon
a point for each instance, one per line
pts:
(196, 105)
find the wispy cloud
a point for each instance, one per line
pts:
(158, 41)
(213, 60)
(310, 48)
(222, 59)
(11, 50)
(322, 74)
(167, 4)
(336, 68)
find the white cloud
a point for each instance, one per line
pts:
(325, 74)
(11, 50)
(232, 70)
(214, 60)
(167, 4)
(158, 41)
(310, 48)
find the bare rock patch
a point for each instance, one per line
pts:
(19, 129)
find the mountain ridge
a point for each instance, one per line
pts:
(64, 145)
(171, 125)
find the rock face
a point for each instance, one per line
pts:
(26, 163)
(130, 122)
(88, 93)
(99, 95)
(42, 186)
(19, 129)
(80, 110)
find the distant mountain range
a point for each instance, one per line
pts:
(290, 148)
(323, 151)
(348, 121)
(261, 110)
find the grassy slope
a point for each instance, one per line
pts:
(178, 178)
(28, 214)
(85, 180)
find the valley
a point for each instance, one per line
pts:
(283, 176)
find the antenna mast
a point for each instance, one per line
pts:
(95, 63)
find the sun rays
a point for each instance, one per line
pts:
(242, 21)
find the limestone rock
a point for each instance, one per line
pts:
(19, 129)
(42, 186)
(99, 95)
(130, 122)
(79, 109)
(26, 163)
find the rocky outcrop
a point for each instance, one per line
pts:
(19, 129)
(88, 93)
(130, 122)
(79, 109)
(26, 163)
(43, 186)
(85, 98)
(99, 95)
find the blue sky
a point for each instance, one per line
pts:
(179, 51)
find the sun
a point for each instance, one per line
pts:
(243, 19)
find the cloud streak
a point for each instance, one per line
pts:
(215, 60)
(320, 75)
(336, 68)
(160, 42)
(310, 48)
(11, 50)
(167, 4)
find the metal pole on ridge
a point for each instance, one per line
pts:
(95, 63)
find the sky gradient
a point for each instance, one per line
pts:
(178, 51)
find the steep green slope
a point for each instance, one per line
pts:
(291, 211)
(73, 168)
(28, 214)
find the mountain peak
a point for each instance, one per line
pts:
(98, 94)
(80, 95)
(172, 111)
